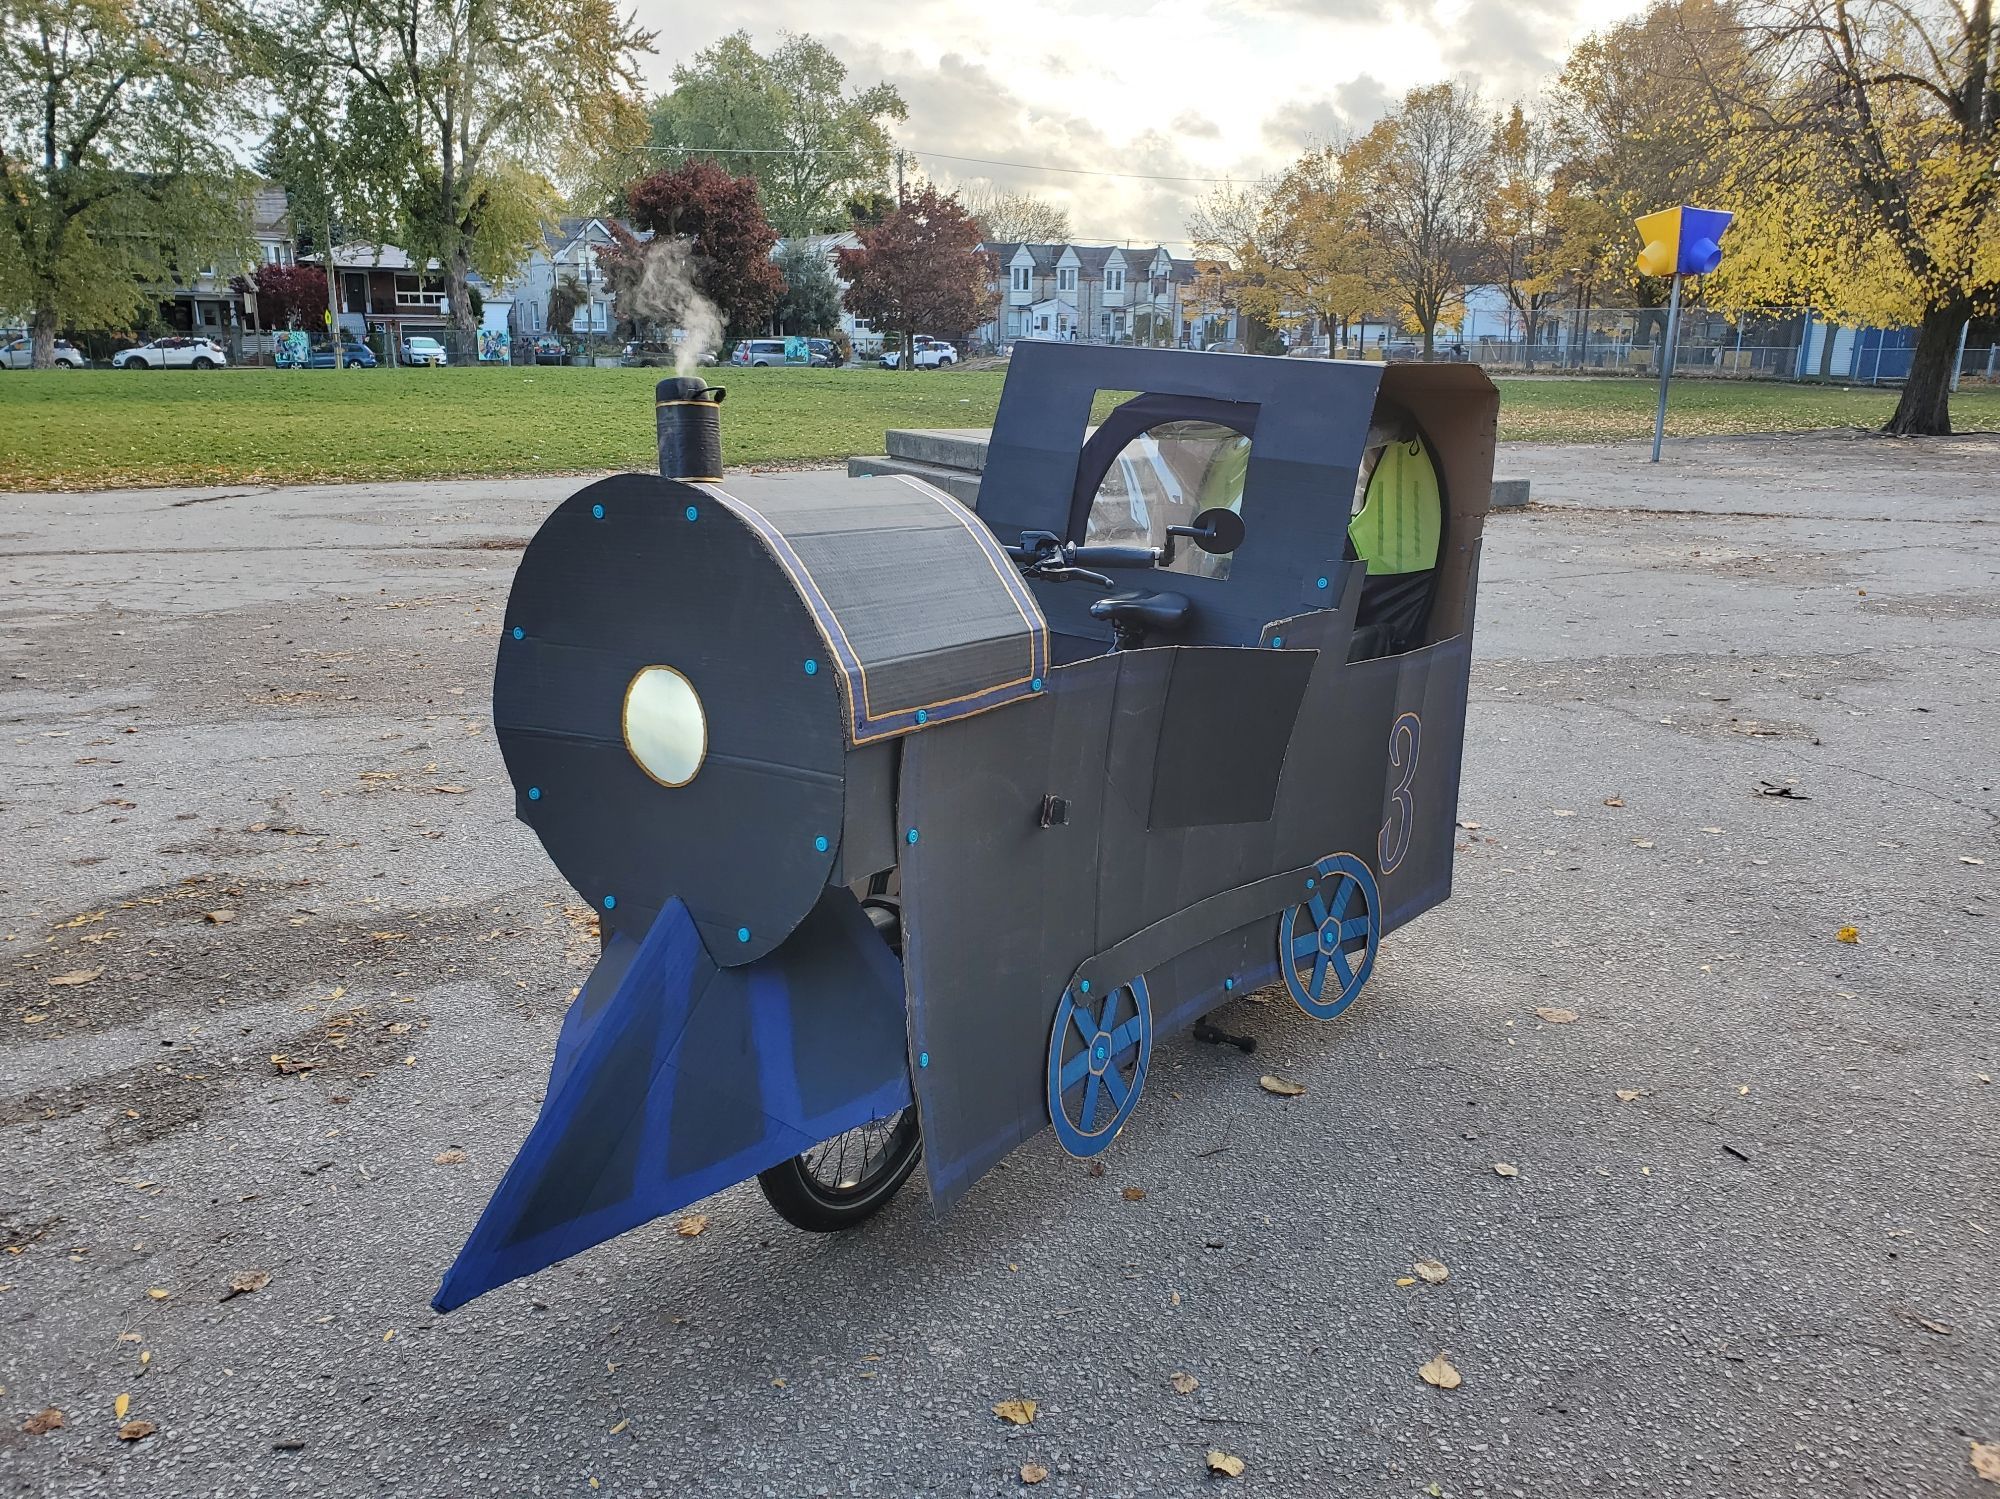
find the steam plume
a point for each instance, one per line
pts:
(668, 292)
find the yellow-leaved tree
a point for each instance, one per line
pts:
(1866, 174)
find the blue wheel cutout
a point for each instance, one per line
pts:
(1098, 1054)
(1326, 947)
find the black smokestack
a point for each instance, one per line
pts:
(690, 421)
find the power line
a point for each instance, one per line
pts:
(983, 161)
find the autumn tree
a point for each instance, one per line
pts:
(718, 218)
(788, 119)
(486, 105)
(921, 268)
(1521, 220)
(1867, 173)
(1425, 178)
(1012, 218)
(810, 302)
(288, 296)
(115, 175)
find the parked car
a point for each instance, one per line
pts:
(761, 352)
(548, 349)
(928, 354)
(421, 350)
(824, 355)
(357, 354)
(20, 355)
(175, 352)
(1226, 346)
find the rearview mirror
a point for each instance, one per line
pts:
(1217, 531)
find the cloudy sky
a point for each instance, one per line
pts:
(1170, 88)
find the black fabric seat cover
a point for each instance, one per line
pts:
(1138, 606)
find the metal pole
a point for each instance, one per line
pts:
(1667, 363)
(1958, 363)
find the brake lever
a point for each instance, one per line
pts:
(1075, 574)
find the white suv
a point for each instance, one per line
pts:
(176, 352)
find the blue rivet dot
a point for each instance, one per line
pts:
(1086, 986)
(812, 668)
(819, 844)
(1036, 685)
(597, 512)
(1309, 884)
(1320, 584)
(923, 715)
(743, 934)
(923, 1059)
(1229, 983)
(1276, 641)
(534, 793)
(519, 633)
(610, 902)
(911, 836)
(692, 512)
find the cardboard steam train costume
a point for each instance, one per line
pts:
(888, 805)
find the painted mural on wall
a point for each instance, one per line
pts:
(495, 345)
(293, 349)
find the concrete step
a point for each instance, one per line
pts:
(962, 448)
(956, 482)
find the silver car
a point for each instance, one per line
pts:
(20, 355)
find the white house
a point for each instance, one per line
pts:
(1099, 294)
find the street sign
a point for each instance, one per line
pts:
(1683, 241)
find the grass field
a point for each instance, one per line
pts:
(97, 429)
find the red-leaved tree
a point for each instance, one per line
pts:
(288, 296)
(729, 239)
(921, 268)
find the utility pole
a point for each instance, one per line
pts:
(901, 157)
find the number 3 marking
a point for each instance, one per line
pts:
(1394, 841)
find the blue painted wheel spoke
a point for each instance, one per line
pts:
(1341, 900)
(1081, 1020)
(1107, 1020)
(1091, 1091)
(1339, 957)
(1306, 946)
(1115, 1086)
(1126, 1035)
(1318, 985)
(1074, 1069)
(1354, 926)
(1317, 905)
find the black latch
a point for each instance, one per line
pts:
(1055, 812)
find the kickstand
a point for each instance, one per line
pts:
(1203, 1031)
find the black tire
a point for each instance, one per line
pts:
(802, 1195)
(135, 364)
(203, 363)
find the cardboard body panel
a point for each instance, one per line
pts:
(924, 617)
(688, 1077)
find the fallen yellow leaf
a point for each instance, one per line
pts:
(619, 1427)
(76, 976)
(452, 1157)
(1431, 1272)
(1503, 1168)
(1440, 1373)
(1033, 1472)
(1627, 1095)
(1406, 1280)
(389, 1334)
(1134, 1194)
(1985, 1458)
(159, 1293)
(136, 1431)
(1283, 1087)
(1554, 1015)
(691, 1225)
(1848, 934)
(120, 1406)
(1184, 1383)
(1019, 1412)
(1221, 1462)
(218, 918)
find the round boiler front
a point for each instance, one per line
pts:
(668, 717)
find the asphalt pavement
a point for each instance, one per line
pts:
(1722, 709)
